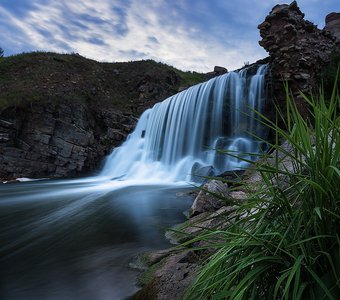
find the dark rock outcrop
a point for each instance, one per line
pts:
(298, 51)
(332, 21)
(218, 70)
(333, 25)
(58, 140)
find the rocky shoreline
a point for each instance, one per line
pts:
(172, 271)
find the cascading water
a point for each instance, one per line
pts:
(177, 139)
(73, 239)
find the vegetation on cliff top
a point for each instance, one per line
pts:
(46, 76)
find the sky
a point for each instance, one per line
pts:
(193, 35)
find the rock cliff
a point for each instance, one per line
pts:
(61, 114)
(298, 52)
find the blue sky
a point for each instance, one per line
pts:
(188, 34)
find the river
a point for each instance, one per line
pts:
(74, 239)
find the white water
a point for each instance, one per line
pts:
(177, 139)
(73, 239)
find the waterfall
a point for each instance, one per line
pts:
(177, 139)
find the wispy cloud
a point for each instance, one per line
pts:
(191, 35)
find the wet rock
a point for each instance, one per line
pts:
(233, 176)
(54, 140)
(238, 195)
(206, 201)
(171, 280)
(199, 172)
(155, 256)
(200, 223)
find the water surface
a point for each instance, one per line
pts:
(75, 239)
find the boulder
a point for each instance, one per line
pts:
(205, 200)
(200, 172)
(218, 70)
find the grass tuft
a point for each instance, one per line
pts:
(285, 243)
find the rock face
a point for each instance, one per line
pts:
(57, 139)
(61, 114)
(298, 51)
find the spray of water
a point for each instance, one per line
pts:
(177, 139)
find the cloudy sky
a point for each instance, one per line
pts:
(188, 34)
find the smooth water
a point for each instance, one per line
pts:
(74, 239)
(177, 139)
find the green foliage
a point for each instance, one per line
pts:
(285, 242)
(188, 78)
(1, 52)
(46, 76)
(191, 78)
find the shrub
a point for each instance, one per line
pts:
(285, 243)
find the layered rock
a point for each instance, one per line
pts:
(298, 51)
(58, 140)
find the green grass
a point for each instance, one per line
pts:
(285, 244)
(38, 76)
